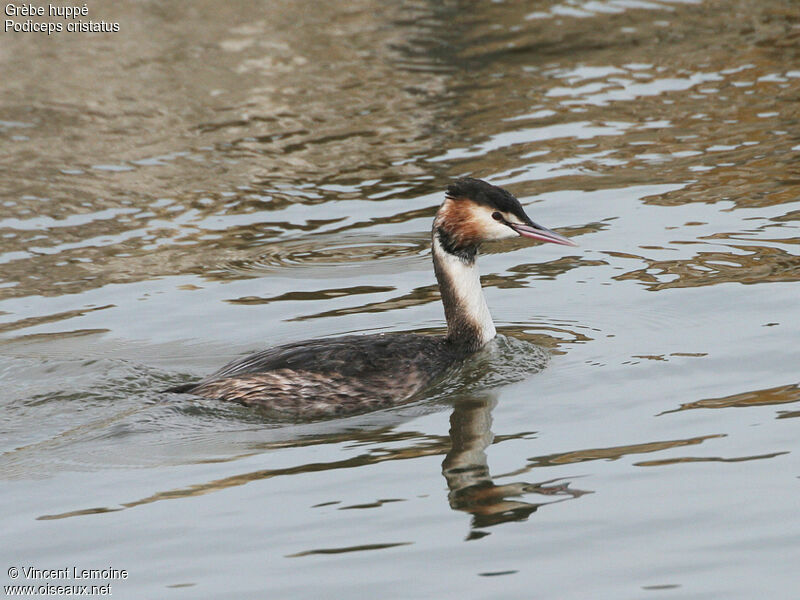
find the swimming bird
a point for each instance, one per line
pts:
(358, 373)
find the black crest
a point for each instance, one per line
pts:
(480, 192)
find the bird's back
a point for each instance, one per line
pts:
(331, 377)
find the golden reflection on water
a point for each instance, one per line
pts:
(31, 321)
(695, 459)
(346, 549)
(784, 394)
(517, 277)
(612, 453)
(315, 295)
(745, 264)
(262, 118)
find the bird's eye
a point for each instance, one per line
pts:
(497, 216)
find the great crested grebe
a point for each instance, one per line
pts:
(358, 373)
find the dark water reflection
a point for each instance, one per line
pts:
(219, 177)
(472, 488)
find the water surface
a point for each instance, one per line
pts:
(216, 178)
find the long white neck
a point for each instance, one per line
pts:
(468, 320)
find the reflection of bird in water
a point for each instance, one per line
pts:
(352, 374)
(471, 486)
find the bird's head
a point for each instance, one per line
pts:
(475, 211)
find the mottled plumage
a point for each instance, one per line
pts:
(332, 377)
(337, 376)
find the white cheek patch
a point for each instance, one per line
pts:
(491, 229)
(504, 231)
